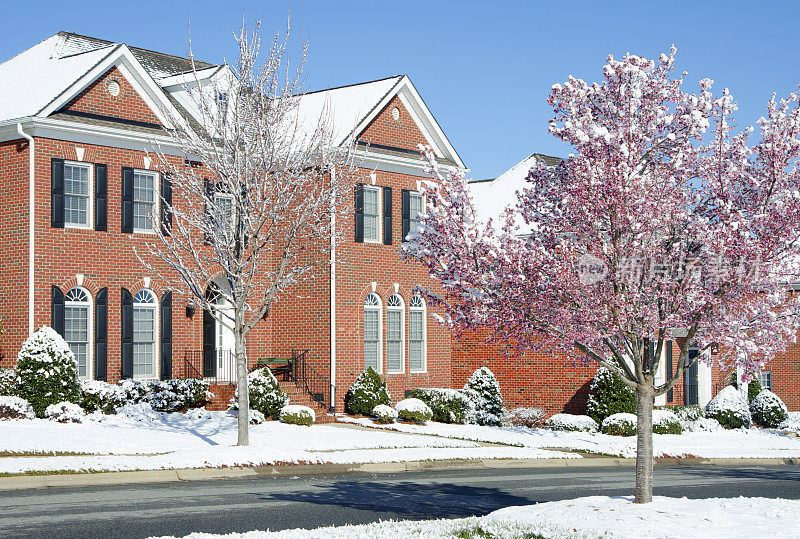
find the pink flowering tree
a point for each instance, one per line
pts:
(662, 224)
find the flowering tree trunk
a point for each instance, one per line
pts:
(252, 207)
(661, 224)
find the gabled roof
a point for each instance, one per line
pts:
(492, 197)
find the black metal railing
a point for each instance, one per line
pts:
(218, 367)
(307, 378)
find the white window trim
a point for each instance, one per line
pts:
(379, 309)
(228, 196)
(156, 335)
(154, 218)
(90, 207)
(402, 310)
(424, 311)
(422, 206)
(89, 331)
(379, 190)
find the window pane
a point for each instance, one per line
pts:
(416, 344)
(394, 336)
(76, 333)
(371, 338)
(371, 227)
(143, 341)
(370, 201)
(143, 200)
(76, 194)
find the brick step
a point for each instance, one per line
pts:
(223, 393)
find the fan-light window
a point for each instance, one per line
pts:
(417, 345)
(372, 332)
(144, 334)
(77, 307)
(394, 333)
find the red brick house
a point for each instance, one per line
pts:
(79, 120)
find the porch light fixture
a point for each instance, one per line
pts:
(190, 309)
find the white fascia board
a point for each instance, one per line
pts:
(188, 77)
(391, 163)
(134, 73)
(91, 134)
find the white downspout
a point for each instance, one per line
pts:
(333, 291)
(31, 221)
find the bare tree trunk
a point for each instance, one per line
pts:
(241, 384)
(644, 441)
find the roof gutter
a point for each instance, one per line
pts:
(31, 221)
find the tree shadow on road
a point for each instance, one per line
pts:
(778, 473)
(408, 499)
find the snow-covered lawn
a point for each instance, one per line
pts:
(207, 439)
(740, 443)
(596, 516)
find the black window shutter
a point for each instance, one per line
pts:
(669, 370)
(209, 187)
(406, 212)
(166, 336)
(127, 334)
(57, 193)
(101, 335)
(359, 212)
(57, 310)
(100, 197)
(209, 344)
(166, 203)
(387, 215)
(127, 200)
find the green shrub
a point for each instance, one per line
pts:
(366, 393)
(768, 410)
(484, 391)
(8, 382)
(620, 424)
(684, 413)
(166, 395)
(609, 396)
(413, 410)
(265, 394)
(571, 423)
(15, 408)
(447, 405)
(753, 389)
(383, 413)
(666, 422)
(47, 371)
(101, 396)
(729, 408)
(297, 415)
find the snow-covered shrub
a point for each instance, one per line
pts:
(47, 371)
(141, 411)
(8, 381)
(619, 424)
(166, 395)
(413, 410)
(447, 405)
(256, 417)
(569, 422)
(730, 408)
(608, 396)
(264, 392)
(702, 424)
(15, 408)
(753, 389)
(768, 410)
(666, 422)
(98, 395)
(684, 413)
(366, 393)
(384, 413)
(65, 412)
(487, 398)
(533, 418)
(792, 422)
(297, 415)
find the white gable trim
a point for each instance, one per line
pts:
(121, 58)
(421, 115)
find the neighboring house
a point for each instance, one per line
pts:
(78, 120)
(549, 380)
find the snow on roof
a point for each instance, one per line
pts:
(34, 78)
(346, 105)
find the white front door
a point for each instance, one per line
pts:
(225, 343)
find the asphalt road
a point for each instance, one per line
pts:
(309, 502)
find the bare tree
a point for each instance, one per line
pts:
(252, 208)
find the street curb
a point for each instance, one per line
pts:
(25, 482)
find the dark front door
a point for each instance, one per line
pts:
(209, 345)
(690, 380)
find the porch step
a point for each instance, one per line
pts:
(298, 396)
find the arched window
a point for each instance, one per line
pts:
(395, 312)
(372, 332)
(144, 334)
(77, 307)
(417, 330)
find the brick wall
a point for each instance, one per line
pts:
(128, 104)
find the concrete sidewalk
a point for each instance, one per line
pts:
(22, 482)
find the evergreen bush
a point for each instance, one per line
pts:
(383, 413)
(487, 399)
(413, 410)
(619, 424)
(447, 405)
(8, 381)
(65, 412)
(173, 395)
(666, 422)
(15, 408)
(265, 394)
(366, 393)
(609, 396)
(47, 371)
(753, 389)
(768, 410)
(729, 408)
(572, 423)
(101, 396)
(297, 414)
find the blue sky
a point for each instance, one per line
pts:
(483, 68)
